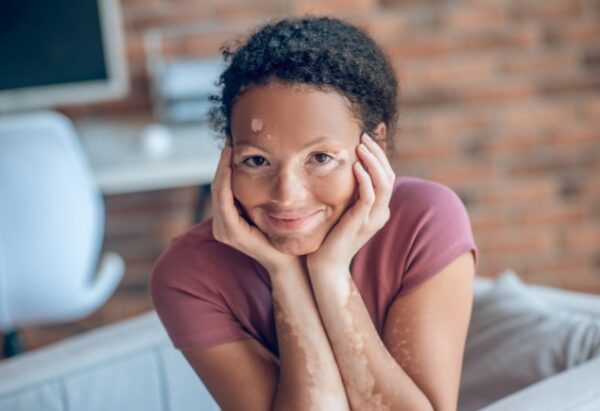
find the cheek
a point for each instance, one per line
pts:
(337, 187)
(246, 189)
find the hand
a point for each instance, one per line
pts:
(231, 228)
(369, 213)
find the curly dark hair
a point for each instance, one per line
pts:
(323, 52)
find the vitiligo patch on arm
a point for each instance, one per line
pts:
(364, 383)
(288, 330)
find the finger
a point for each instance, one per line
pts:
(383, 185)
(366, 192)
(217, 219)
(224, 162)
(380, 154)
(223, 201)
(224, 195)
(231, 216)
(379, 212)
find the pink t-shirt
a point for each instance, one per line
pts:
(207, 293)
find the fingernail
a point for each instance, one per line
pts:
(365, 137)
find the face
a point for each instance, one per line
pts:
(293, 150)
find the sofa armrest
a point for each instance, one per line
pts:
(129, 365)
(573, 389)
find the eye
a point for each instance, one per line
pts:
(322, 158)
(254, 161)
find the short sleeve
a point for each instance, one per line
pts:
(440, 233)
(187, 302)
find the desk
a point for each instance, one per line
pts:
(122, 165)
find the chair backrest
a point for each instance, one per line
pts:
(51, 220)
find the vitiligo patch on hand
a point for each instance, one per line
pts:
(256, 125)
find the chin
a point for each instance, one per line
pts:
(295, 246)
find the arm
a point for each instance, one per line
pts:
(306, 375)
(309, 377)
(409, 369)
(425, 331)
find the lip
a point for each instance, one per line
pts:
(292, 224)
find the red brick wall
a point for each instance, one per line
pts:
(500, 100)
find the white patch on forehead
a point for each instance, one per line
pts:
(256, 125)
(269, 137)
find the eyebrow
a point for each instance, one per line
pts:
(316, 141)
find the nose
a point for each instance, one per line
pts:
(289, 188)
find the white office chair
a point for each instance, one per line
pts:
(51, 227)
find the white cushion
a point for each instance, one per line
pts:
(516, 338)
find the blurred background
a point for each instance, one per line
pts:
(500, 100)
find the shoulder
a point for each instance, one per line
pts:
(422, 209)
(192, 288)
(427, 215)
(417, 194)
(417, 203)
(194, 257)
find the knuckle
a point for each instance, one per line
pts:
(217, 235)
(385, 218)
(221, 233)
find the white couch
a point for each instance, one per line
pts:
(132, 365)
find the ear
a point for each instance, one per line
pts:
(380, 134)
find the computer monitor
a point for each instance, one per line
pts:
(60, 52)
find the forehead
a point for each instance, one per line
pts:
(293, 113)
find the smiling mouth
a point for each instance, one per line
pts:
(292, 224)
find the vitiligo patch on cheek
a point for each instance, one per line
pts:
(342, 158)
(256, 125)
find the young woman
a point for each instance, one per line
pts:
(322, 281)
